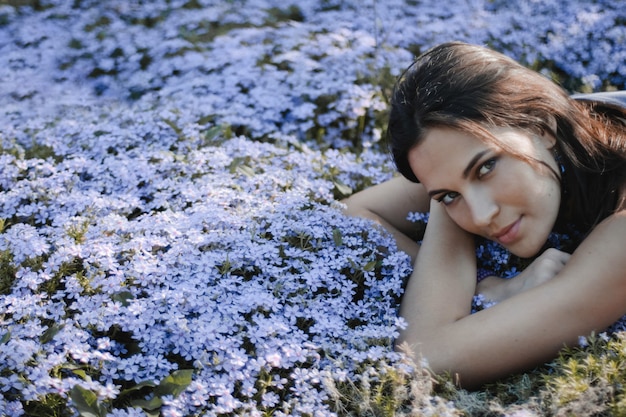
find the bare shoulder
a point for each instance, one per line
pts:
(606, 242)
(601, 255)
(594, 279)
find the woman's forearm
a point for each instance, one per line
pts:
(440, 290)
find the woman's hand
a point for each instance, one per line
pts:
(441, 226)
(541, 270)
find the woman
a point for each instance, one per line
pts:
(494, 150)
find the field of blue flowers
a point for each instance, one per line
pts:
(171, 237)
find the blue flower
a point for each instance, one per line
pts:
(169, 191)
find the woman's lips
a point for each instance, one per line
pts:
(509, 233)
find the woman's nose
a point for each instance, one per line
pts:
(483, 209)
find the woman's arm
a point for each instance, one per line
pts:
(525, 330)
(440, 290)
(388, 204)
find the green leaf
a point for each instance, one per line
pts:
(213, 132)
(342, 188)
(86, 402)
(237, 161)
(246, 170)
(337, 238)
(142, 384)
(123, 297)
(134, 391)
(175, 383)
(5, 338)
(369, 267)
(173, 125)
(81, 373)
(240, 165)
(49, 334)
(148, 405)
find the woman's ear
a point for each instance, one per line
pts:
(548, 138)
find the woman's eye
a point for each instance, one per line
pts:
(487, 167)
(448, 198)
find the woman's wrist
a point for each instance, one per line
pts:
(497, 289)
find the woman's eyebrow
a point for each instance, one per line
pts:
(473, 162)
(466, 171)
(433, 193)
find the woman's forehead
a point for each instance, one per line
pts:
(498, 138)
(445, 149)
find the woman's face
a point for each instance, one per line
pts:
(488, 192)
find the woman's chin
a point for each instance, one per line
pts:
(526, 251)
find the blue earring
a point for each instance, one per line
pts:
(559, 160)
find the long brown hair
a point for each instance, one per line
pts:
(472, 88)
